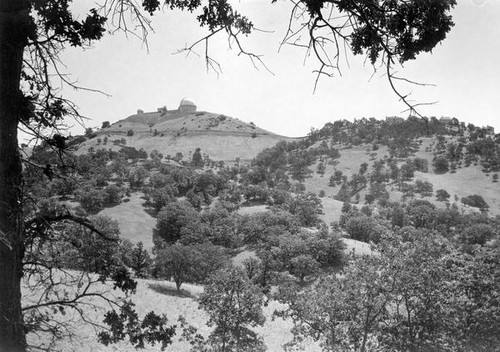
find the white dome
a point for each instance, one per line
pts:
(187, 102)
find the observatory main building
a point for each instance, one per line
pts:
(187, 106)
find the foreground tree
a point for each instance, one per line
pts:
(138, 259)
(342, 313)
(233, 305)
(33, 33)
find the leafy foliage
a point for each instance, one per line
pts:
(442, 195)
(475, 201)
(441, 165)
(193, 263)
(234, 306)
(137, 258)
(197, 161)
(411, 297)
(174, 221)
(126, 323)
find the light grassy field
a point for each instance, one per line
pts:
(160, 297)
(465, 182)
(135, 224)
(349, 163)
(252, 209)
(357, 247)
(238, 259)
(332, 210)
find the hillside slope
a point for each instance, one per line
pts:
(464, 181)
(218, 136)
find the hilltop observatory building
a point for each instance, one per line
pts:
(187, 106)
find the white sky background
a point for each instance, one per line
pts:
(465, 68)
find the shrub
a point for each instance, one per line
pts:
(92, 201)
(476, 234)
(475, 201)
(423, 187)
(130, 133)
(364, 228)
(453, 167)
(421, 165)
(112, 195)
(441, 165)
(442, 195)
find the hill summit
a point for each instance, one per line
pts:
(184, 129)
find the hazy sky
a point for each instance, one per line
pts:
(465, 69)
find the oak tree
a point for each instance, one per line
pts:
(234, 306)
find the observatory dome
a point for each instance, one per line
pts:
(187, 105)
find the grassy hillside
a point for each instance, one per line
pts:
(162, 298)
(220, 137)
(464, 182)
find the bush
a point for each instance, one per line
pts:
(442, 195)
(137, 258)
(92, 201)
(346, 207)
(475, 201)
(425, 188)
(364, 228)
(441, 165)
(421, 165)
(130, 133)
(112, 195)
(476, 234)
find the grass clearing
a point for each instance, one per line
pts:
(356, 247)
(136, 225)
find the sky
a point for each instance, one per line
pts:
(465, 69)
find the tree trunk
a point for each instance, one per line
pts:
(178, 283)
(14, 18)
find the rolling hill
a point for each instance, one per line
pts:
(221, 137)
